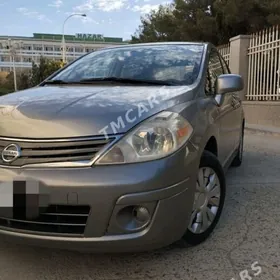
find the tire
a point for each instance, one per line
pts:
(237, 161)
(208, 162)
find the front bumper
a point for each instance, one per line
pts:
(166, 187)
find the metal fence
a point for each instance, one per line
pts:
(264, 62)
(225, 52)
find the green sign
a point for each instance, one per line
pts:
(93, 37)
(78, 37)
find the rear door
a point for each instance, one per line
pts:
(226, 120)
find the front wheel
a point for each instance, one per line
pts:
(209, 199)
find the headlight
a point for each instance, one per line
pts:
(153, 139)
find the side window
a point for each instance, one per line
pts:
(225, 66)
(208, 84)
(215, 69)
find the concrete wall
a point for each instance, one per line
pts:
(262, 113)
(238, 59)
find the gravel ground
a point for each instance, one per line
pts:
(248, 232)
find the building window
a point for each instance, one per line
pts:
(27, 59)
(6, 69)
(27, 48)
(6, 58)
(38, 48)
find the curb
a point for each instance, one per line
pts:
(261, 130)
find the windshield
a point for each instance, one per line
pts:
(176, 64)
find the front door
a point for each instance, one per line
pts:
(227, 124)
(236, 103)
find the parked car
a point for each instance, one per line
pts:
(124, 149)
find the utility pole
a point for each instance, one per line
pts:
(63, 35)
(12, 48)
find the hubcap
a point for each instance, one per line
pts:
(207, 200)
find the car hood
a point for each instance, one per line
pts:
(74, 111)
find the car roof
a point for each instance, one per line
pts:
(158, 44)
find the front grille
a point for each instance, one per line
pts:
(57, 151)
(56, 220)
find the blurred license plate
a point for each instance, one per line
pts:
(22, 199)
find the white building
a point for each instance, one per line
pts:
(28, 49)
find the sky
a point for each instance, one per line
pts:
(111, 18)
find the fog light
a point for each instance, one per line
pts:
(141, 214)
(133, 218)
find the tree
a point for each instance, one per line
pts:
(24, 80)
(236, 17)
(195, 20)
(7, 81)
(3, 83)
(43, 70)
(27, 79)
(207, 20)
(157, 26)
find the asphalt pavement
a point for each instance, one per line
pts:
(245, 243)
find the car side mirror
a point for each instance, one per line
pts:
(229, 83)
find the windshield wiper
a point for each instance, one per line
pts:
(127, 80)
(54, 82)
